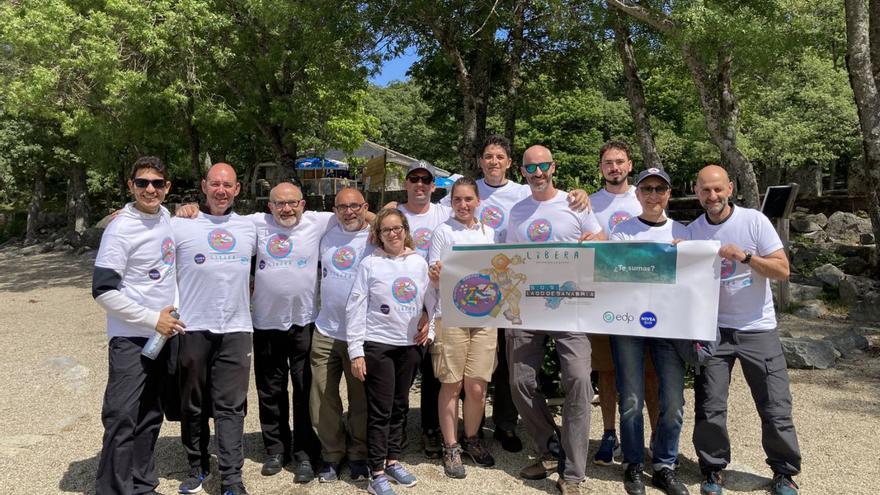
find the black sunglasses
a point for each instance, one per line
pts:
(143, 183)
(424, 179)
(661, 189)
(533, 167)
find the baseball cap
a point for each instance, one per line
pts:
(653, 172)
(421, 165)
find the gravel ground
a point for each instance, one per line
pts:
(55, 366)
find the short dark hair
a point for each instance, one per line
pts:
(151, 162)
(616, 145)
(464, 182)
(497, 140)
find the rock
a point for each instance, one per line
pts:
(802, 292)
(817, 236)
(803, 254)
(91, 237)
(867, 331)
(866, 239)
(867, 309)
(820, 219)
(807, 353)
(30, 250)
(854, 266)
(848, 343)
(829, 274)
(847, 227)
(801, 224)
(852, 287)
(59, 241)
(813, 308)
(46, 247)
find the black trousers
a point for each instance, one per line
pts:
(277, 354)
(214, 374)
(390, 373)
(504, 413)
(132, 417)
(430, 392)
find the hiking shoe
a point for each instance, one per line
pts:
(666, 480)
(193, 482)
(380, 485)
(236, 489)
(431, 444)
(607, 449)
(303, 472)
(633, 482)
(477, 451)
(713, 484)
(399, 474)
(509, 441)
(568, 487)
(359, 470)
(452, 465)
(273, 465)
(329, 472)
(543, 467)
(782, 484)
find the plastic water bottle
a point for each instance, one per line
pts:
(154, 346)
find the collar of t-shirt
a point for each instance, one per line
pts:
(496, 187)
(653, 224)
(710, 222)
(207, 211)
(406, 252)
(455, 223)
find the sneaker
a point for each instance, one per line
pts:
(542, 468)
(666, 480)
(782, 484)
(713, 484)
(509, 441)
(328, 472)
(359, 470)
(303, 472)
(399, 474)
(477, 451)
(633, 482)
(380, 486)
(568, 487)
(193, 482)
(273, 465)
(236, 489)
(431, 444)
(607, 449)
(452, 465)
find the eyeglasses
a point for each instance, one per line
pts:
(355, 207)
(424, 179)
(391, 230)
(661, 189)
(533, 167)
(293, 203)
(143, 183)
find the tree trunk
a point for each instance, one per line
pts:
(77, 201)
(635, 94)
(35, 207)
(517, 50)
(195, 141)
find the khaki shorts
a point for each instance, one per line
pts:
(464, 352)
(601, 359)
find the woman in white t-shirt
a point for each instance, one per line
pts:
(463, 358)
(387, 315)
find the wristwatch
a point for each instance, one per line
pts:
(747, 258)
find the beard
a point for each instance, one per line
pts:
(615, 182)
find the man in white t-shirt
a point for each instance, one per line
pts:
(214, 253)
(342, 249)
(546, 217)
(135, 281)
(752, 255)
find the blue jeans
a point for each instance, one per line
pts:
(629, 365)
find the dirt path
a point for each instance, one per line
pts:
(54, 371)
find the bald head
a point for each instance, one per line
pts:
(223, 170)
(537, 154)
(285, 189)
(220, 187)
(349, 195)
(714, 189)
(712, 172)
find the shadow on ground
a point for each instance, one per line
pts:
(26, 273)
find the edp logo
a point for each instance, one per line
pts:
(610, 317)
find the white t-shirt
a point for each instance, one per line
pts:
(140, 248)
(213, 271)
(286, 278)
(636, 229)
(745, 302)
(341, 253)
(386, 301)
(496, 203)
(611, 209)
(422, 225)
(549, 221)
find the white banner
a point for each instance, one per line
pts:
(648, 289)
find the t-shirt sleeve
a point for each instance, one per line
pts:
(114, 249)
(439, 244)
(589, 223)
(356, 311)
(326, 220)
(767, 240)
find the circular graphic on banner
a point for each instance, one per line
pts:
(422, 239)
(344, 258)
(476, 295)
(279, 246)
(492, 216)
(168, 251)
(539, 230)
(616, 218)
(648, 319)
(728, 268)
(404, 290)
(221, 240)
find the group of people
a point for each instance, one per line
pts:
(379, 325)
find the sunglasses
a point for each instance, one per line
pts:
(661, 189)
(533, 167)
(424, 179)
(143, 183)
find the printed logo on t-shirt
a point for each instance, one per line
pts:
(404, 290)
(168, 251)
(492, 216)
(279, 246)
(154, 274)
(323, 272)
(262, 264)
(221, 240)
(385, 309)
(199, 258)
(616, 218)
(422, 239)
(539, 230)
(728, 268)
(344, 258)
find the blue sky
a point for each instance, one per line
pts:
(395, 69)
